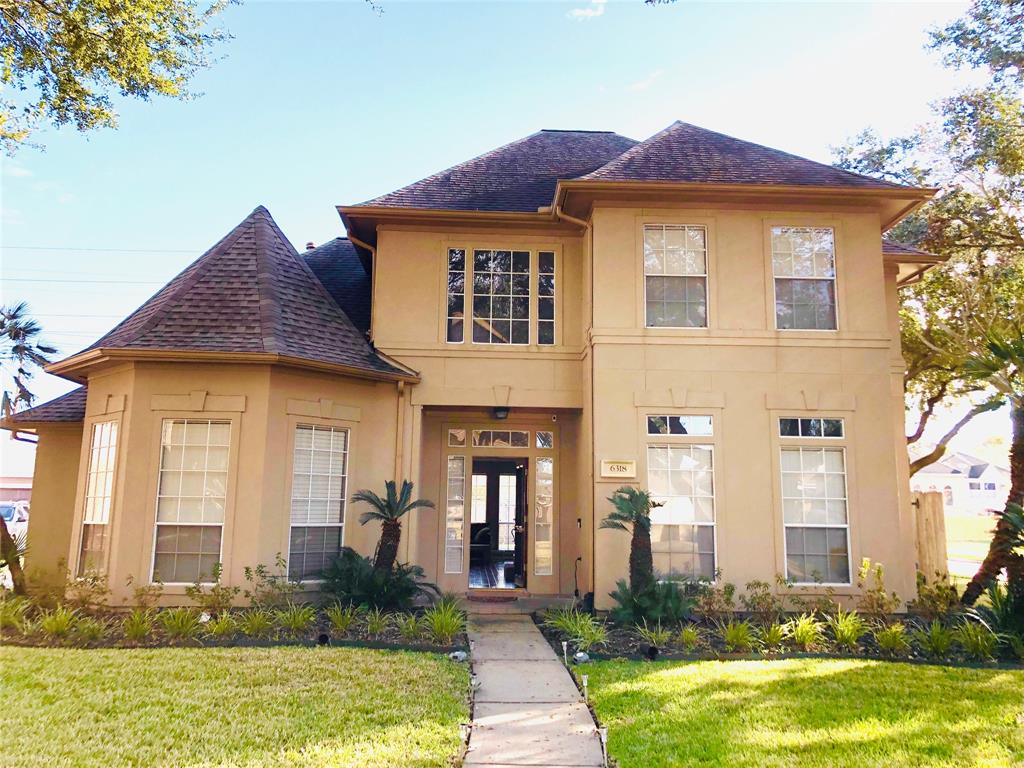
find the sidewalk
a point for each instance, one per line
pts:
(528, 711)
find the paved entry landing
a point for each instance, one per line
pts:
(528, 711)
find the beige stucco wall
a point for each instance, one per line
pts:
(263, 405)
(53, 500)
(746, 374)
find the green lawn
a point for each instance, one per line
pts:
(251, 707)
(808, 712)
(968, 536)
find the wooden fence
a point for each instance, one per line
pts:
(930, 519)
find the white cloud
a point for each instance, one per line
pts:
(16, 171)
(595, 9)
(647, 82)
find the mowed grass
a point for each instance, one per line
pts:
(968, 536)
(251, 707)
(808, 713)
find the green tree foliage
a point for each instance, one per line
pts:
(632, 513)
(64, 60)
(990, 35)
(389, 511)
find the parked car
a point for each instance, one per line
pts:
(15, 514)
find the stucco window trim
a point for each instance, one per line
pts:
(709, 224)
(846, 443)
(714, 440)
(230, 495)
(82, 489)
(470, 246)
(819, 222)
(284, 535)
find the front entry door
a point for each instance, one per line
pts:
(498, 530)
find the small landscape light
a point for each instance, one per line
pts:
(565, 653)
(464, 729)
(584, 679)
(603, 733)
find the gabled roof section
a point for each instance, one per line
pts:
(894, 248)
(250, 293)
(518, 177)
(68, 408)
(337, 266)
(687, 153)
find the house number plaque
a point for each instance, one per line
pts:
(618, 468)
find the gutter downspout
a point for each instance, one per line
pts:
(560, 214)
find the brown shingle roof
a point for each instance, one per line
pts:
(251, 292)
(519, 177)
(894, 248)
(66, 408)
(687, 153)
(337, 266)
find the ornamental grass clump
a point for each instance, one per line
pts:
(256, 623)
(737, 635)
(341, 617)
(13, 612)
(936, 640)
(806, 633)
(847, 628)
(376, 622)
(978, 641)
(893, 639)
(89, 630)
(181, 624)
(296, 620)
(137, 625)
(772, 637)
(579, 628)
(691, 638)
(443, 622)
(654, 635)
(222, 627)
(409, 627)
(57, 623)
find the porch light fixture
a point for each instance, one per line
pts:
(501, 412)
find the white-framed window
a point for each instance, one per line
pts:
(98, 493)
(815, 514)
(456, 326)
(974, 486)
(501, 297)
(804, 268)
(675, 276)
(455, 515)
(319, 485)
(543, 528)
(545, 439)
(681, 477)
(191, 500)
(679, 425)
(826, 428)
(990, 486)
(501, 438)
(546, 297)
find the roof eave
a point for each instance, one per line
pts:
(74, 367)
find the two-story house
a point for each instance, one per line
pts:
(519, 335)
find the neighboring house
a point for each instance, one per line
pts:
(969, 485)
(14, 488)
(520, 335)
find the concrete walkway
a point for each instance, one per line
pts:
(528, 711)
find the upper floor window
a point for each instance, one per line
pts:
(501, 297)
(675, 276)
(456, 295)
(546, 297)
(804, 266)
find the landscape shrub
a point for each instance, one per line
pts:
(145, 595)
(806, 632)
(655, 635)
(14, 611)
(181, 624)
(267, 589)
(847, 628)
(409, 627)
(935, 640)
(352, 580)
(581, 629)
(691, 638)
(215, 597)
(296, 620)
(874, 600)
(715, 602)
(341, 617)
(57, 623)
(656, 601)
(737, 635)
(977, 640)
(443, 622)
(761, 602)
(256, 623)
(937, 599)
(893, 639)
(87, 594)
(89, 629)
(138, 625)
(376, 622)
(222, 626)
(772, 637)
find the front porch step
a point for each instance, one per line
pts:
(486, 602)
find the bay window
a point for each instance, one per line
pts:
(98, 493)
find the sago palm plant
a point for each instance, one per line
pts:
(632, 513)
(388, 511)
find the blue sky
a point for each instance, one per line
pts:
(317, 104)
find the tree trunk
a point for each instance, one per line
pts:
(940, 447)
(999, 556)
(9, 551)
(641, 561)
(387, 548)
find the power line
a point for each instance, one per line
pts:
(106, 250)
(94, 282)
